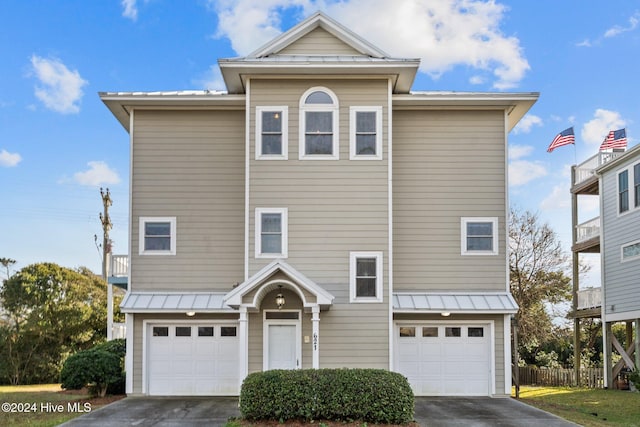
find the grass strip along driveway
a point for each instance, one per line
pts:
(587, 407)
(45, 405)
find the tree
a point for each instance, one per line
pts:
(6, 263)
(52, 311)
(537, 266)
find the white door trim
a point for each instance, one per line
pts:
(265, 335)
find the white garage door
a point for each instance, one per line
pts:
(446, 360)
(192, 360)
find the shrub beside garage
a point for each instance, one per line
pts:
(370, 395)
(101, 368)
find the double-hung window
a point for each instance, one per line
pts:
(365, 133)
(479, 236)
(365, 277)
(271, 233)
(623, 191)
(272, 133)
(319, 125)
(157, 236)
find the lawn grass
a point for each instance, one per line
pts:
(41, 405)
(587, 407)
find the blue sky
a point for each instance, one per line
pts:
(59, 144)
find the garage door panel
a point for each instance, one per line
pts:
(201, 363)
(447, 360)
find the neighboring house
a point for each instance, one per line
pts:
(613, 176)
(620, 243)
(318, 214)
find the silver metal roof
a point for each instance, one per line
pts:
(172, 302)
(428, 302)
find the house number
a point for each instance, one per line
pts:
(315, 342)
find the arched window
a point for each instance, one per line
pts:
(319, 124)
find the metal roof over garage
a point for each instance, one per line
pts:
(173, 302)
(451, 302)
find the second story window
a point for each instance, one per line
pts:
(157, 236)
(479, 236)
(365, 133)
(271, 233)
(271, 133)
(319, 125)
(623, 191)
(365, 277)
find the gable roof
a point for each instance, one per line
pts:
(318, 20)
(360, 57)
(261, 280)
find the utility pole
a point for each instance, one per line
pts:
(106, 252)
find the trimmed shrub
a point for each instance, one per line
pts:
(371, 395)
(117, 347)
(93, 368)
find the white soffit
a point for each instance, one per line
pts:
(472, 303)
(172, 302)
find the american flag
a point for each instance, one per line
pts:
(615, 139)
(565, 137)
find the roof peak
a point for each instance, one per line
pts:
(318, 20)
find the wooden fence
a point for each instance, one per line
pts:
(533, 375)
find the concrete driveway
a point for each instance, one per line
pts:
(215, 411)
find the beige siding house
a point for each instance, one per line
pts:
(318, 214)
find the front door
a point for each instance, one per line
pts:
(282, 343)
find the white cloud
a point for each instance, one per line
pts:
(584, 43)
(130, 9)
(211, 80)
(519, 151)
(444, 34)
(634, 20)
(594, 131)
(527, 122)
(476, 80)
(60, 89)
(559, 198)
(98, 173)
(524, 171)
(9, 159)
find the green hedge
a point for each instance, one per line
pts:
(371, 395)
(101, 368)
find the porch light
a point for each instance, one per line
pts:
(191, 313)
(445, 314)
(280, 298)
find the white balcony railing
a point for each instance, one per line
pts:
(589, 298)
(588, 230)
(587, 169)
(119, 266)
(119, 331)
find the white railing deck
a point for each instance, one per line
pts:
(589, 298)
(588, 230)
(119, 266)
(587, 169)
(119, 330)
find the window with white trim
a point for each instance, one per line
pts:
(623, 191)
(630, 251)
(479, 236)
(319, 125)
(365, 277)
(272, 133)
(365, 133)
(157, 236)
(271, 233)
